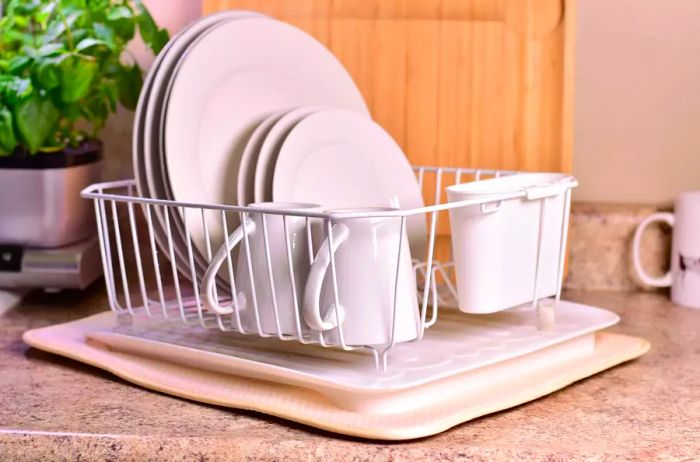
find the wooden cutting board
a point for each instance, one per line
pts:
(468, 83)
(458, 83)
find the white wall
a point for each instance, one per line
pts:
(637, 117)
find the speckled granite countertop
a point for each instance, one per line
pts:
(54, 408)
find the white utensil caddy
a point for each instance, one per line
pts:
(149, 292)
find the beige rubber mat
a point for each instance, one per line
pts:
(497, 387)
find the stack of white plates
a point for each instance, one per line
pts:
(241, 108)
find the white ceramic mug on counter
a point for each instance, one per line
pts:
(252, 277)
(684, 275)
(366, 255)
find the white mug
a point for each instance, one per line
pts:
(366, 255)
(252, 277)
(684, 275)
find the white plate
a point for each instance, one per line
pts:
(151, 153)
(339, 159)
(232, 77)
(138, 157)
(164, 73)
(139, 144)
(249, 159)
(264, 168)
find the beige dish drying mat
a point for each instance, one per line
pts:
(311, 408)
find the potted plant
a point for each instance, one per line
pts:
(63, 70)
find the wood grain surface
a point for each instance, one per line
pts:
(477, 83)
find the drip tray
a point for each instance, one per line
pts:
(419, 403)
(457, 343)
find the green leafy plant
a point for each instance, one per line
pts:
(64, 67)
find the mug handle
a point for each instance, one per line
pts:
(209, 280)
(665, 280)
(312, 291)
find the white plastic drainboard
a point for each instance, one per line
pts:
(457, 343)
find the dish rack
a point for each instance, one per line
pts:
(143, 279)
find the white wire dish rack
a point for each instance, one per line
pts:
(154, 283)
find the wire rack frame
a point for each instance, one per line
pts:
(174, 292)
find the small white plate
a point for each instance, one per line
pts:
(269, 150)
(231, 78)
(338, 159)
(249, 159)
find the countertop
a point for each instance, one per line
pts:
(54, 408)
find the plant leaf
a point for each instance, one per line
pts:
(110, 90)
(50, 49)
(121, 20)
(18, 64)
(77, 73)
(14, 89)
(47, 74)
(57, 26)
(159, 41)
(8, 142)
(96, 110)
(98, 6)
(21, 21)
(79, 34)
(12, 35)
(104, 33)
(27, 7)
(71, 111)
(119, 12)
(45, 13)
(90, 42)
(129, 84)
(154, 37)
(29, 50)
(12, 6)
(36, 119)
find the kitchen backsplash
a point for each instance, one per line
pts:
(600, 256)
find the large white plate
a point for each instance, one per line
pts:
(139, 149)
(231, 78)
(151, 147)
(138, 156)
(249, 159)
(269, 150)
(339, 159)
(161, 76)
